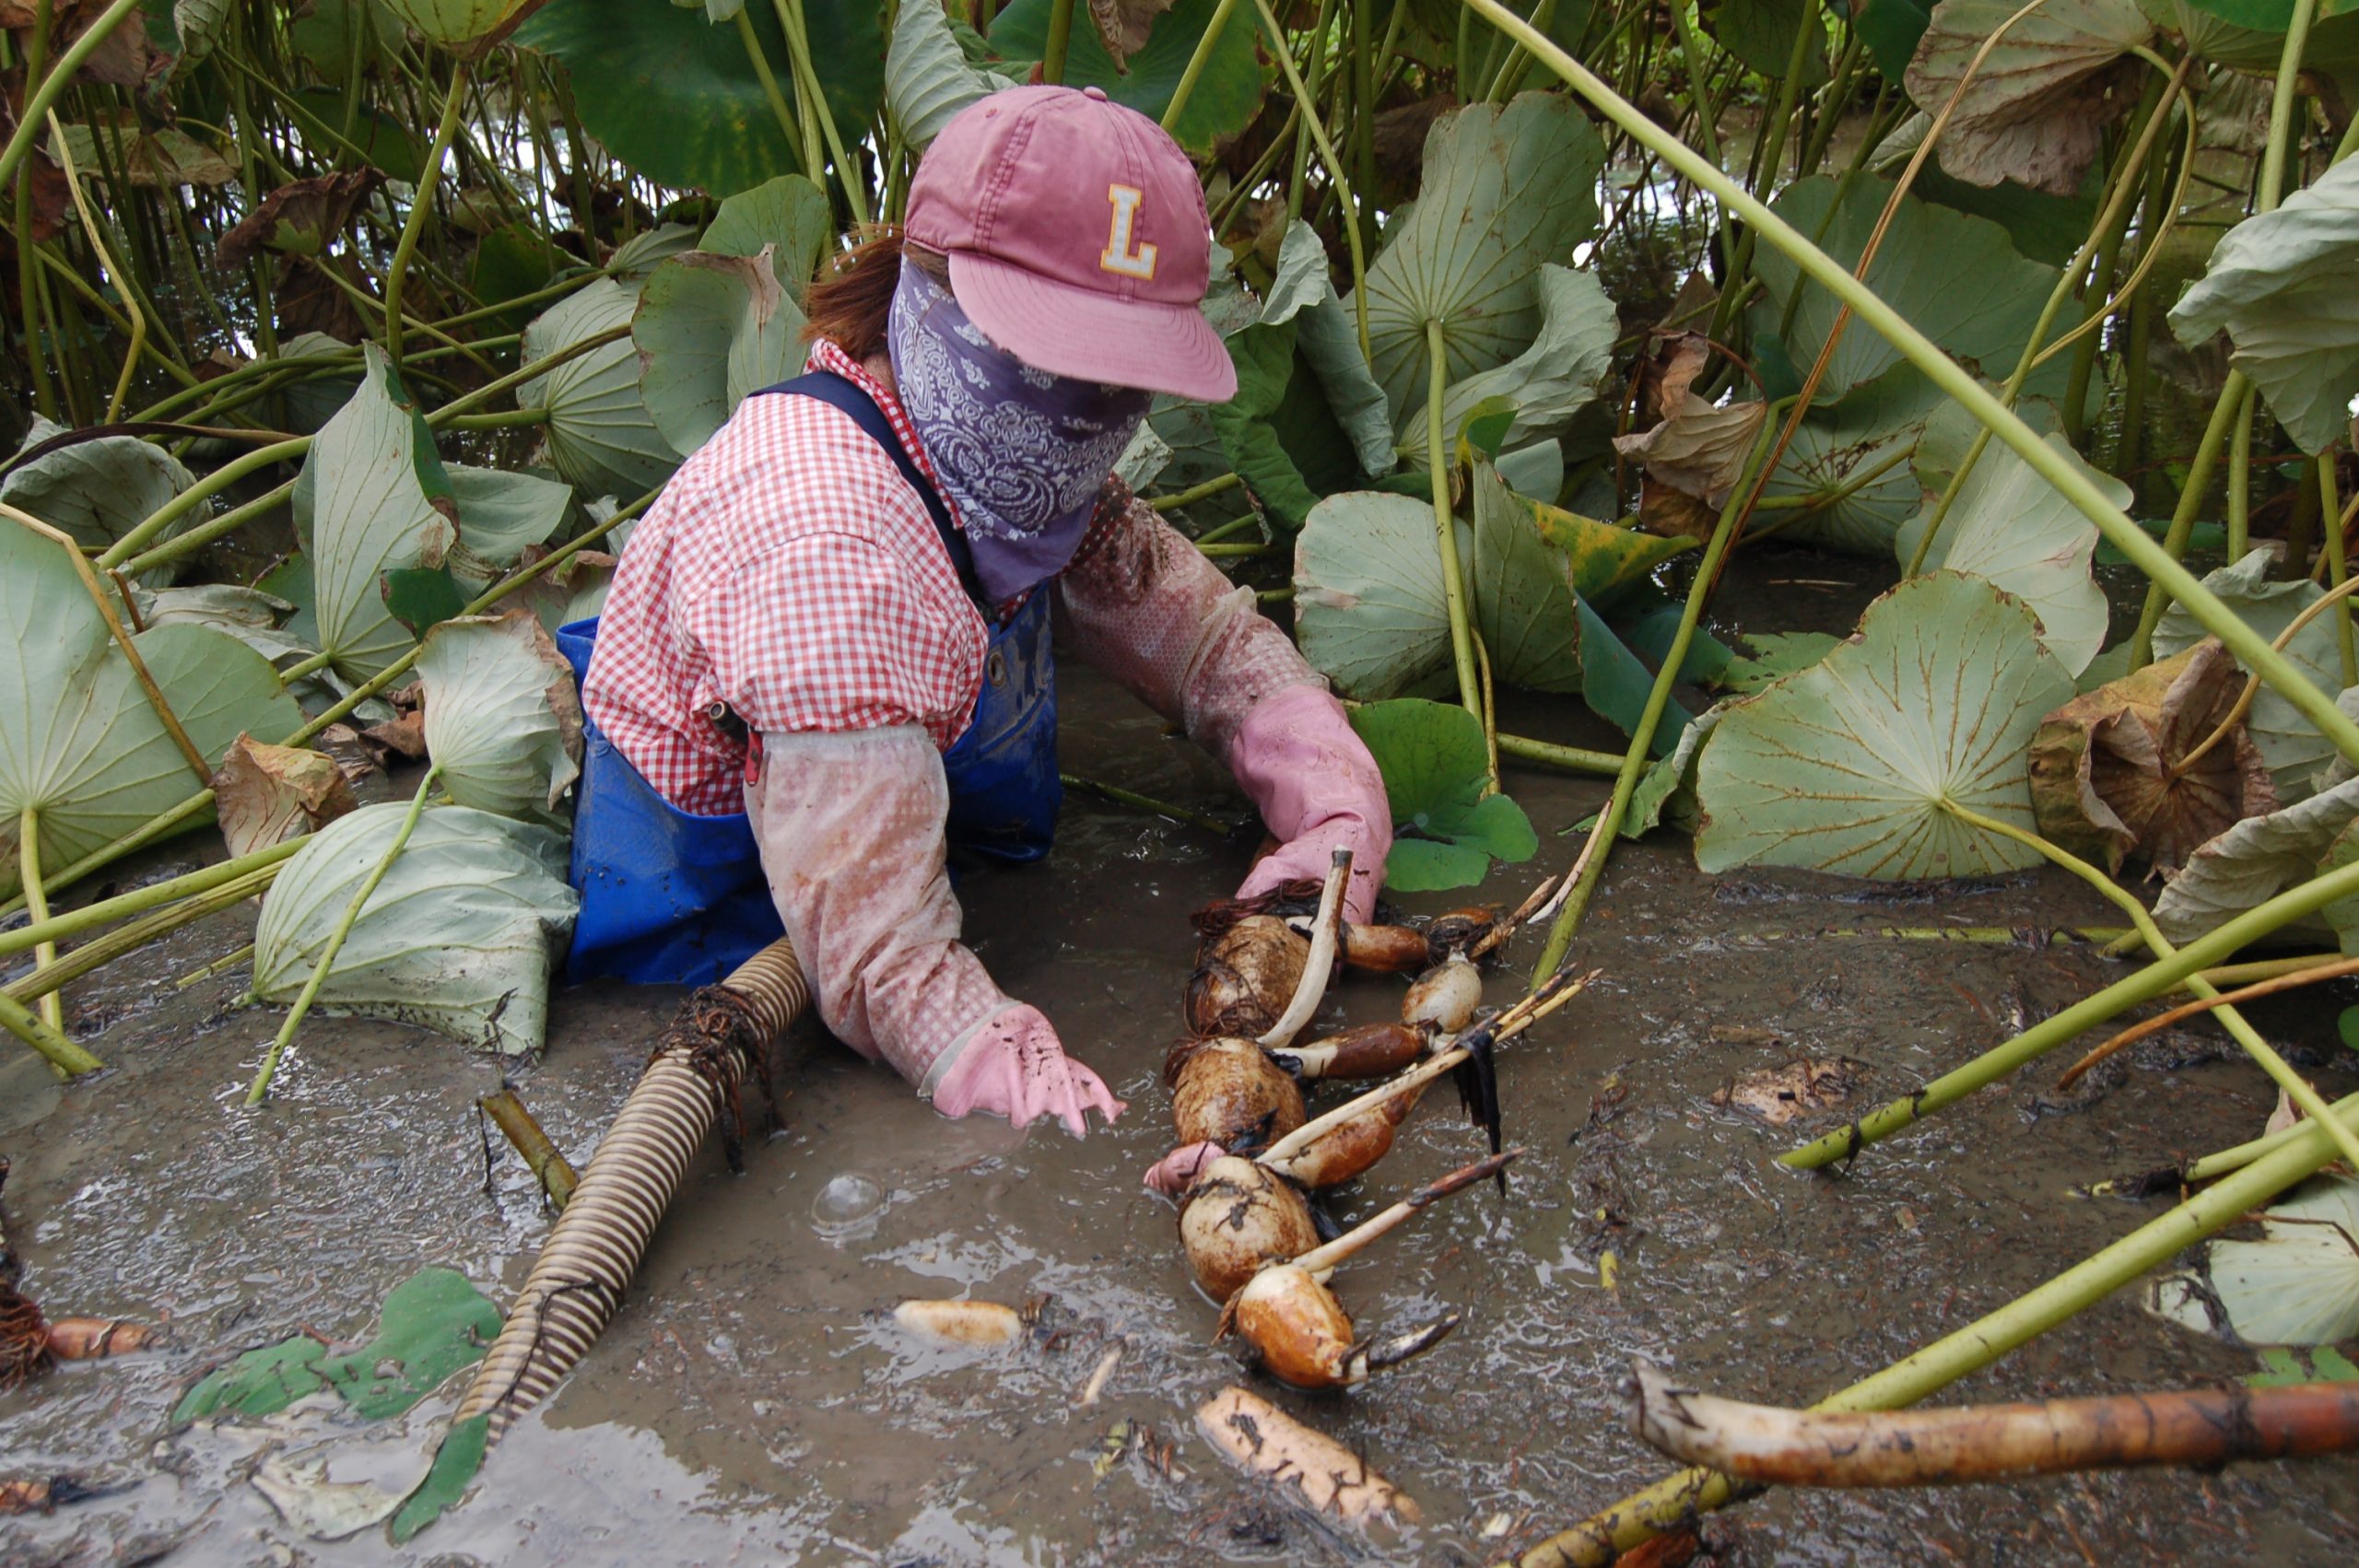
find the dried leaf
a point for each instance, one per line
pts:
(1124, 25)
(2105, 767)
(1699, 449)
(267, 795)
(299, 218)
(2037, 108)
(1778, 1094)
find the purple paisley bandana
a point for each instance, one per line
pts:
(1022, 453)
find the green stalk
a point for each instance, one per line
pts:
(1642, 738)
(1052, 53)
(1147, 804)
(1197, 61)
(1453, 586)
(2190, 499)
(1572, 759)
(37, 910)
(2213, 1167)
(69, 1060)
(2206, 951)
(1205, 492)
(2240, 479)
(28, 287)
(808, 93)
(2249, 646)
(421, 204)
(1334, 167)
(2338, 569)
(786, 120)
(326, 960)
(91, 917)
(94, 955)
(2281, 104)
(2297, 1087)
(220, 479)
(1678, 1498)
(35, 112)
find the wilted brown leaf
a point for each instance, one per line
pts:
(1778, 1094)
(1700, 449)
(124, 59)
(2109, 778)
(1124, 25)
(299, 218)
(268, 794)
(2037, 108)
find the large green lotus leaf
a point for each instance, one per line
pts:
(1844, 766)
(1225, 95)
(79, 744)
(504, 720)
(710, 330)
(465, 27)
(1955, 278)
(788, 213)
(1549, 382)
(2044, 229)
(1618, 683)
(2253, 860)
(640, 254)
(1891, 29)
(2014, 528)
(1303, 292)
(373, 498)
(602, 438)
(1505, 190)
(927, 76)
(1873, 430)
(99, 490)
(2290, 745)
(2042, 97)
(1368, 608)
(1446, 832)
(2280, 285)
(677, 97)
(503, 514)
(1775, 656)
(1524, 605)
(458, 937)
(2262, 16)
(1264, 356)
(1761, 33)
(2298, 1285)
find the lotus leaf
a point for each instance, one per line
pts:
(1446, 830)
(1328, 338)
(1506, 189)
(2108, 774)
(455, 1464)
(1551, 380)
(465, 26)
(2253, 861)
(99, 490)
(927, 76)
(1264, 356)
(266, 795)
(2290, 745)
(1700, 449)
(161, 158)
(1775, 655)
(1124, 26)
(1368, 606)
(2298, 1285)
(503, 514)
(2344, 913)
(710, 330)
(1845, 766)
(1761, 33)
(458, 937)
(601, 439)
(788, 213)
(677, 98)
(373, 498)
(2012, 528)
(80, 747)
(1617, 685)
(1834, 452)
(503, 718)
(1955, 278)
(1666, 791)
(640, 254)
(2279, 285)
(2042, 97)
(313, 401)
(1536, 471)
(1225, 96)
(1524, 605)
(1891, 29)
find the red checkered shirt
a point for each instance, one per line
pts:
(789, 572)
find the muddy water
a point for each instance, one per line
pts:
(748, 1407)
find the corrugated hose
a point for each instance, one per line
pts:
(694, 1076)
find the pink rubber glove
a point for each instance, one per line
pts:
(1176, 1172)
(1319, 790)
(1012, 1067)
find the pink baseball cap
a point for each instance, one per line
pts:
(1078, 238)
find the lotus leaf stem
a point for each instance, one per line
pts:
(335, 944)
(132, 302)
(2212, 1167)
(540, 1155)
(34, 114)
(421, 202)
(2240, 478)
(2190, 500)
(2312, 975)
(1053, 53)
(1453, 582)
(92, 957)
(2307, 1147)
(1147, 804)
(220, 966)
(2338, 569)
(1573, 759)
(814, 99)
(1353, 207)
(787, 122)
(2281, 105)
(68, 1059)
(37, 910)
(1951, 377)
(1205, 43)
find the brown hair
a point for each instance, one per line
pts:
(849, 303)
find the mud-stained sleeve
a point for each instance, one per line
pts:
(1144, 606)
(850, 828)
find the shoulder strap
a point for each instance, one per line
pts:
(840, 392)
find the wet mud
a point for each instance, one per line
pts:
(750, 1403)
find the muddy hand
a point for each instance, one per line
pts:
(1015, 1067)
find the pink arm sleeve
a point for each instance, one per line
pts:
(1142, 605)
(850, 828)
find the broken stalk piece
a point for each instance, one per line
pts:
(2201, 1428)
(525, 1135)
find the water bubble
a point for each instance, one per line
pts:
(846, 1201)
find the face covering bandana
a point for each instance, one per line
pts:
(1023, 453)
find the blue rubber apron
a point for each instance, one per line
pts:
(671, 898)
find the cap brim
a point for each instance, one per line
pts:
(1093, 336)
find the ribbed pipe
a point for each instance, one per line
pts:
(594, 1248)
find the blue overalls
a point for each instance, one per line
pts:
(669, 897)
